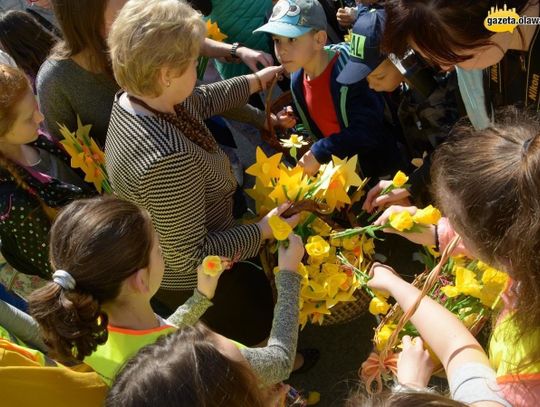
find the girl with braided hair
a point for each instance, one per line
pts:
(35, 179)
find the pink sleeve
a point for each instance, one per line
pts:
(445, 234)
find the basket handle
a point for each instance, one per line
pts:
(376, 365)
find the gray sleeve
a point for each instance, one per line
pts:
(53, 102)
(191, 311)
(22, 325)
(475, 382)
(274, 363)
(247, 114)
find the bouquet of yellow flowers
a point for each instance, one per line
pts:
(470, 289)
(334, 267)
(86, 155)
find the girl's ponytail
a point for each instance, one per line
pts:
(95, 245)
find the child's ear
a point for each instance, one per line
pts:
(321, 38)
(139, 281)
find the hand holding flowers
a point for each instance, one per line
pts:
(208, 274)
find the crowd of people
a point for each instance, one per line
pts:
(104, 300)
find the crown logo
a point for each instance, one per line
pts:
(501, 20)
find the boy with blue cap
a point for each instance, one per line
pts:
(344, 119)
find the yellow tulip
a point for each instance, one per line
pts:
(466, 282)
(212, 265)
(401, 221)
(427, 216)
(317, 247)
(399, 180)
(378, 306)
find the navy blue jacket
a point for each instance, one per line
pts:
(360, 112)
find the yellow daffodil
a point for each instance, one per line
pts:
(280, 229)
(334, 282)
(259, 193)
(466, 282)
(321, 227)
(212, 265)
(291, 186)
(336, 195)
(382, 336)
(213, 32)
(494, 277)
(347, 172)
(314, 291)
(450, 291)
(265, 168)
(378, 306)
(295, 141)
(401, 221)
(427, 216)
(368, 245)
(350, 243)
(399, 180)
(317, 247)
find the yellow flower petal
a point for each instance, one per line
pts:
(427, 216)
(401, 221)
(212, 265)
(317, 247)
(280, 229)
(399, 180)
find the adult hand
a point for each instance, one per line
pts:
(289, 258)
(207, 284)
(251, 58)
(309, 163)
(396, 196)
(426, 237)
(414, 365)
(265, 76)
(264, 226)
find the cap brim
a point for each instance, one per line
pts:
(283, 29)
(353, 72)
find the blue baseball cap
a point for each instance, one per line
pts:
(365, 53)
(293, 18)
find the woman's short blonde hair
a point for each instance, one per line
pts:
(152, 34)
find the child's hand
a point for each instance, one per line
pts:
(398, 196)
(346, 16)
(289, 258)
(414, 364)
(207, 284)
(264, 226)
(309, 163)
(285, 118)
(382, 278)
(426, 237)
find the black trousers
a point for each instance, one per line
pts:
(243, 304)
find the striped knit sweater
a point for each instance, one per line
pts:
(187, 190)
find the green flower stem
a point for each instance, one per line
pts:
(369, 230)
(363, 277)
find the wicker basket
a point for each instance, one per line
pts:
(395, 313)
(341, 313)
(271, 137)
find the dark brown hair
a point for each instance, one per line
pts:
(402, 399)
(439, 28)
(82, 22)
(184, 369)
(25, 40)
(488, 184)
(99, 242)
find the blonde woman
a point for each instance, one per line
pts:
(161, 156)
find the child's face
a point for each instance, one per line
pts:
(25, 128)
(296, 53)
(385, 78)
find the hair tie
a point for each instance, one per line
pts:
(526, 145)
(64, 279)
